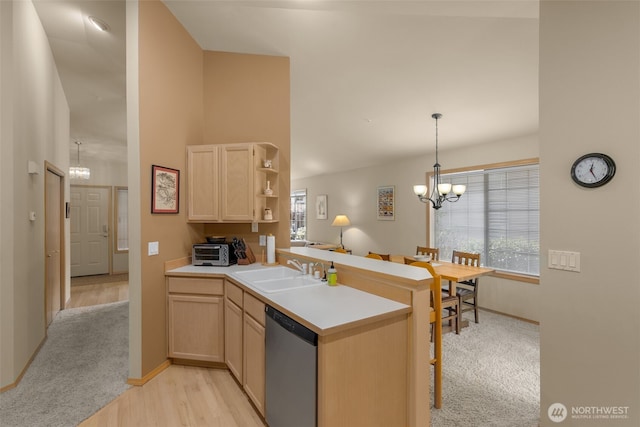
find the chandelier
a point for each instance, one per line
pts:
(78, 172)
(442, 192)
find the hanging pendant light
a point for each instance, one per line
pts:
(78, 172)
(442, 192)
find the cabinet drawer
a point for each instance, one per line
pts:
(188, 285)
(234, 293)
(254, 308)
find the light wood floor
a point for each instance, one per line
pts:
(181, 396)
(178, 396)
(100, 293)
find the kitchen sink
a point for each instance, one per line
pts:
(277, 279)
(285, 284)
(268, 273)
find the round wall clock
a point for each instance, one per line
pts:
(593, 170)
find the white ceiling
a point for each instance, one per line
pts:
(365, 75)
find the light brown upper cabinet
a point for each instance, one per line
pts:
(233, 182)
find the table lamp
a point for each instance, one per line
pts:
(341, 221)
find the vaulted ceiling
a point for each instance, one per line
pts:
(365, 75)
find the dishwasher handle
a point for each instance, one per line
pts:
(292, 326)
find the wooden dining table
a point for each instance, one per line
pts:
(452, 272)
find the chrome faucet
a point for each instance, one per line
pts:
(313, 265)
(296, 264)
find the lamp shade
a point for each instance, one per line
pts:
(420, 190)
(341, 221)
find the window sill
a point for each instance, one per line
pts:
(535, 280)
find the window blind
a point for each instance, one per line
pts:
(498, 216)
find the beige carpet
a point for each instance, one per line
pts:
(81, 367)
(491, 375)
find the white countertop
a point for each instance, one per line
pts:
(384, 267)
(323, 307)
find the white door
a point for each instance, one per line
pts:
(89, 230)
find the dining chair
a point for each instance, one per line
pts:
(467, 290)
(435, 319)
(386, 257)
(373, 256)
(434, 253)
(340, 250)
(450, 303)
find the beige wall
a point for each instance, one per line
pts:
(590, 102)
(35, 126)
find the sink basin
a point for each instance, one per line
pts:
(268, 273)
(277, 279)
(285, 284)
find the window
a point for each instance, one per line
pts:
(498, 216)
(299, 215)
(122, 222)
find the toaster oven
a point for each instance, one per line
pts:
(213, 255)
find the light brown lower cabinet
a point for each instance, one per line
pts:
(233, 338)
(245, 342)
(196, 318)
(362, 370)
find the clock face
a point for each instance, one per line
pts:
(593, 170)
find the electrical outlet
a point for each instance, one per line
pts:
(263, 240)
(254, 227)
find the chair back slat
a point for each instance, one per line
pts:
(466, 258)
(433, 252)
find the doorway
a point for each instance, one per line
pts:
(54, 242)
(89, 230)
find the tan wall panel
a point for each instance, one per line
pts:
(170, 82)
(583, 45)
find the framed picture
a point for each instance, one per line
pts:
(386, 199)
(321, 206)
(165, 190)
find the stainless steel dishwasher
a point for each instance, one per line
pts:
(292, 366)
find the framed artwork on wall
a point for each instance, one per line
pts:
(321, 206)
(386, 200)
(165, 190)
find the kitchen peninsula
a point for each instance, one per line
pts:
(373, 338)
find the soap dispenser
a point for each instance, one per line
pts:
(332, 275)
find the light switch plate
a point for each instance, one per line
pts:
(254, 227)
(263, 240)
(564, 260)
(154, 248)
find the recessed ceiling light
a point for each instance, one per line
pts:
(99, 23)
